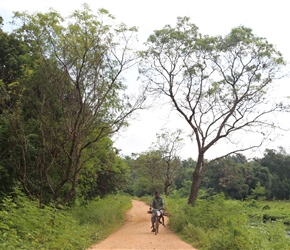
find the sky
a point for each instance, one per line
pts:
(267, 18)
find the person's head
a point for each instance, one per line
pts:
(157, 194)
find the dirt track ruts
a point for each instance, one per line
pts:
(136, 233)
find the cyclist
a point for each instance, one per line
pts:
(157, 203)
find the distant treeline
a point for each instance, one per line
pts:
(266, 178)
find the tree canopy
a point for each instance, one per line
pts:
(71, 98)
(219, 85)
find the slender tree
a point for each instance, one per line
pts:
(169, 144)
(219, 85)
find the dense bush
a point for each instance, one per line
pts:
(25, 226)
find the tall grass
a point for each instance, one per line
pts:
(220, 224)
(103, 215)
(24, 226)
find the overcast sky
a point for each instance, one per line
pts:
(269, 19)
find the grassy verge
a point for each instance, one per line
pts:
(218, 223)
(24, 226)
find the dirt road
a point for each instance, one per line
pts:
(136, 233)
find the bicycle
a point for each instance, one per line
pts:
(156, 219)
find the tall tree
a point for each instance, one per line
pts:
(79, 90)
(219, 85)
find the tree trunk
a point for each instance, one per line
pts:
(166, 187)
(69, 194)
(197, 177)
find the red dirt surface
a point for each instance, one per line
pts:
(136, 233)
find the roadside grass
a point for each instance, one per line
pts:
(214, 223)
(218, 223)
(104, 215)
(24, 226)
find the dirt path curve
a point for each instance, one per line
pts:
(136, 233)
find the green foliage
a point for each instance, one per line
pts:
(28, 227)
(62, 95)
(218, 223)
(253, 203)
(12, 51)
(23, 225)
(239, 179)
(104, 173)
(12, 68)
(147, 173)
(258, 193)
(278, 164)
